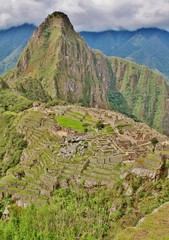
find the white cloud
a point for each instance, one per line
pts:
(93, 15)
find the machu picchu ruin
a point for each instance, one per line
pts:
(59, 150)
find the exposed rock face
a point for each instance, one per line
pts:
(5, 214)
(57, 63)
(151, 167)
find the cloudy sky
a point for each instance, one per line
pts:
(91, 15)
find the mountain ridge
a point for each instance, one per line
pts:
(137, 46)
(112, 47)
(12, 42)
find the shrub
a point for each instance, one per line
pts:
(99, 125)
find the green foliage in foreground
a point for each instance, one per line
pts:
(71, 215)
(85, 214)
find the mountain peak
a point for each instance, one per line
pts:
(57, 19)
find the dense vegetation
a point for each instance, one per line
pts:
(137, 91)
(32, 89)
(80, 213)
(149, 228)
(11, 101)
(11, 142)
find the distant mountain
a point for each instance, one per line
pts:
(149, 46)
(12, 42)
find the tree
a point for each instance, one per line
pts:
(85, 130)
(99, 125)
(86, 125)
(154, 142)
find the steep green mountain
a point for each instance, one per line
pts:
(145, 92)
(12, 42)
(149, 46)
(62, 64)
(69, 171)
(57, 63)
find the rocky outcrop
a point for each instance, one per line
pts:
(151, 167)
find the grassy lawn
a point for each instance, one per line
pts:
(77, 125)
(70, 123)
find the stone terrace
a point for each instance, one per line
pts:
(96, 157)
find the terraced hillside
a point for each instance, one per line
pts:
(72, 143)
